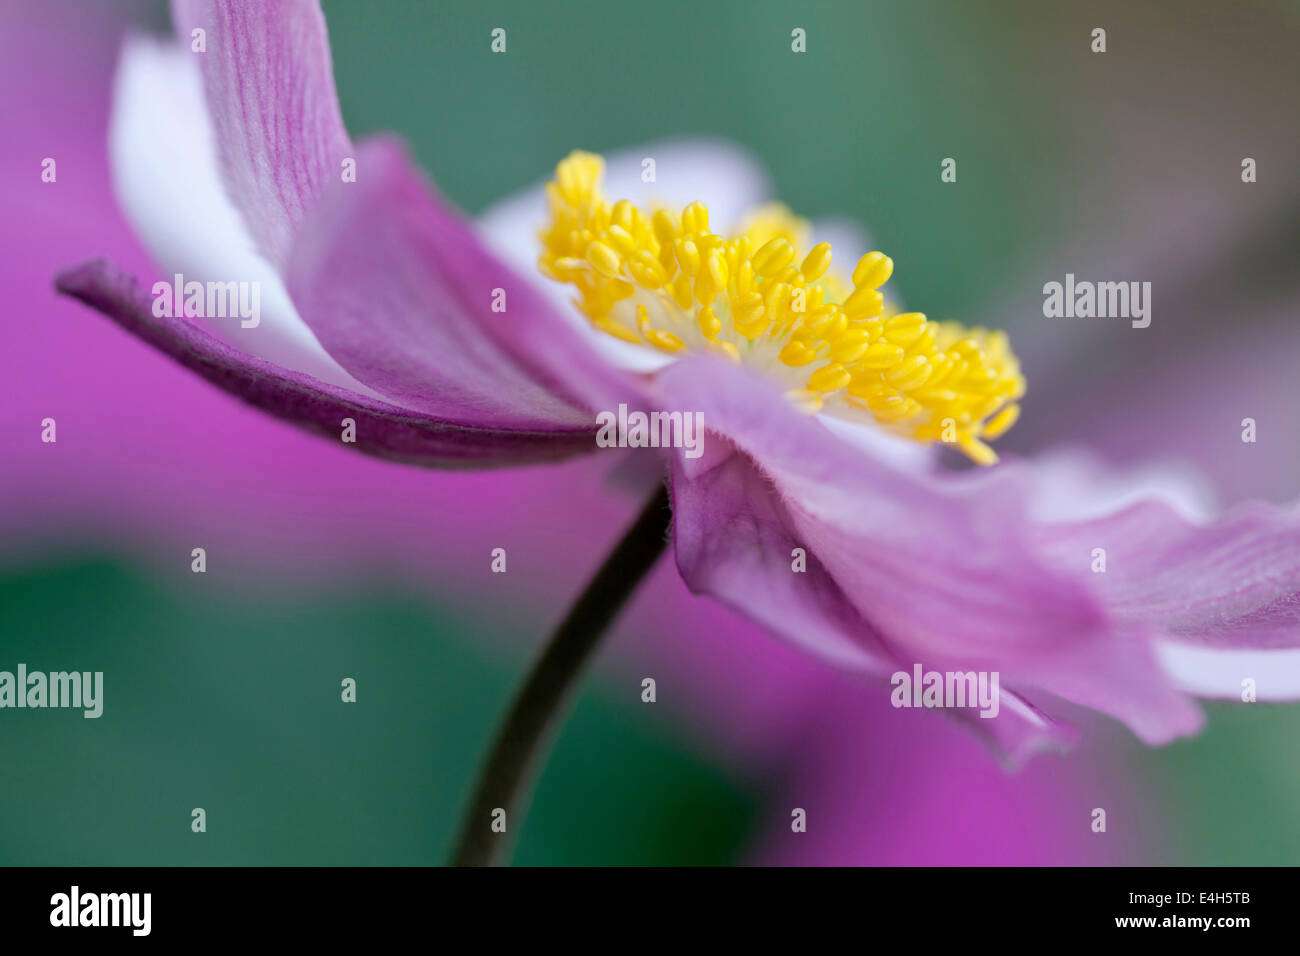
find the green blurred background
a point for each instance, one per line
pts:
(235, 707)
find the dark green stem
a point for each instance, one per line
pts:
(540, 703)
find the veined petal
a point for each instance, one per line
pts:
(166, 177)
(734, 541)
(401, 292)
(932, 544)
(382, 429)
(1072, 484)
(942, 570)
(269, 80)
(1234, 583)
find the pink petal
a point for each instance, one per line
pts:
(400, 291)
(734, 542)
(168, 181)
(1233, 583)
(269, 81)
(943, 570)
(382, 429)
(1220, 672)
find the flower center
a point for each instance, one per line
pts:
(664, 281)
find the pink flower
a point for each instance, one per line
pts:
(379, 308)
(402, 349)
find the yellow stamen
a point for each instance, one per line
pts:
(751, 298)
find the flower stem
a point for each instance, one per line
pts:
(540, 703)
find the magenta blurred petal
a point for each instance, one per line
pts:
(269, 80)
(382, 429)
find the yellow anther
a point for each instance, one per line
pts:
(894, 408)
(868, 388)
(816, 262)
(816, 294)
(905, 329)
(695, 218)
(873, 270)
(647, 270)
(623, 213)
(621, 240)
(830, 325)
(743, 277)
(751, 325)
(929, 381)
(605, 259)
(977, 451)
(773, 257)
(665, 230)
(688, 256)
(777, 298)
(997, 426)
(710, 325)
(909, 374)
(705, 290)
(664, 340)
(881, 355)
(620, 288)
(789, 275)
(864, 303)
(717, 269)
(798, 353)
(610, 327)
(851, 346)
(683, 294)
(829, 379)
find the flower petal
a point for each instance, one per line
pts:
(943, 568)
(382, 429)
(734, 542)
(1232, 583)
(167, 180)
(1072, 484)
(403, 295)
(269, 81)
(1220, 671)
(930, 542)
